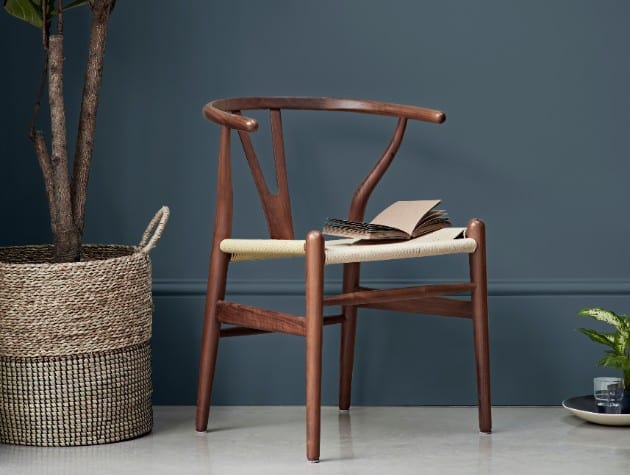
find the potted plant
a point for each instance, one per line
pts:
(75, 320)
(618, 342)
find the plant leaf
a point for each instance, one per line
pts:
(621, 342)
(602, 315)
(619, 362)
(607, 339)
(30, 11)
(624, 326)
(27, 10)
(76, 3)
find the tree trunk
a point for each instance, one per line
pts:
(44, 162)
(66, 235)
(66, 197)
(101, 10)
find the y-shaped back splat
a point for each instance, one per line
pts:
(277, 207)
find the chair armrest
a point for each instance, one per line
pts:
(230, 119)
(385, 108)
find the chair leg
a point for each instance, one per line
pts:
(210, 337)
(348, 334)
(476, 230)
(314, 325)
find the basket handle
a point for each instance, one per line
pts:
(154, 230)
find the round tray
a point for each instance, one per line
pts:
(585, 408)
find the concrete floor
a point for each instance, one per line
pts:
(365, 440)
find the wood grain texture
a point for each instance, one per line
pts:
(351, 276)
(242, 331)
(220, 110)
(217, 276)
(259, 318)
(427, 306)
(366, 296)
(314, 316)
(478, 275)
(277, 207)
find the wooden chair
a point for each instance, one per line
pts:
(248, 320)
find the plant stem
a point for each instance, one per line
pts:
(59, 17)
(40, 94)
(45, 26)
(67, 242)
(37, 137)
(101, 10)
(47, 171)
(42, 84)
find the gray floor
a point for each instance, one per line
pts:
(366, 440)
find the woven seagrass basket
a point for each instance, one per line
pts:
(75, 356)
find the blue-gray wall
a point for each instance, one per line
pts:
(535, 143)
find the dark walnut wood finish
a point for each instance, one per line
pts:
(247, 320)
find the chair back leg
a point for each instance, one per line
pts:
(348, 333)
(210, 336)
(478, 276)
(314, 326)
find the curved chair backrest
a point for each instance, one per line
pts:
(277, 207)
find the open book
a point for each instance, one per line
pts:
(401, 220)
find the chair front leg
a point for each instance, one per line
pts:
(478, 276)
(314, 324)
(210, 336)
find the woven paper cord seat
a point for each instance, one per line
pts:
(342, 251)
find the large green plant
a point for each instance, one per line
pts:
(66, 189)
(618, 356)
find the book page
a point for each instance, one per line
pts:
(345, 228)
(405, 215)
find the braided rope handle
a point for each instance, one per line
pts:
(154, 230)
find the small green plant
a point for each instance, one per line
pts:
(618, 356)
